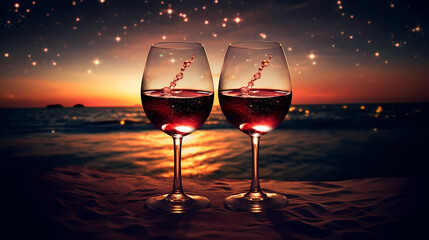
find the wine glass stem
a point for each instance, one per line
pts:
(177, 194)
(255, 193)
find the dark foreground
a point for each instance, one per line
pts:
(77, 202)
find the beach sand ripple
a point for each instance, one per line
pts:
(76, 202)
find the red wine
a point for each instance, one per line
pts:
(257, 113)
(180, 113)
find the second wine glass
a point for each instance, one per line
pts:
(255, 94)
(177, 97)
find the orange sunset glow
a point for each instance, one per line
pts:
(345, 57)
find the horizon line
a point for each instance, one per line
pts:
(139, 105)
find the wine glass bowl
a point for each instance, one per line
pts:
(177, 97)
(179, 114)
(258, 113)
(255, 94)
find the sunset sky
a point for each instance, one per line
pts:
(94, 51)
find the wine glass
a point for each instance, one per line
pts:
(255, 93)
(177, 97)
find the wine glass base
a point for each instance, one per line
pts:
(162, 204)
(239, 202)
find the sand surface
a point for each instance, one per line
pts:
(77, 202)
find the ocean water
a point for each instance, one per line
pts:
(314, 142)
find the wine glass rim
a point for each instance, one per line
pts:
(178, 45)
(257, 44)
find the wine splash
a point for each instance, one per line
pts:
(167, 90)
(256, 76)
